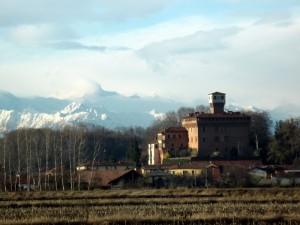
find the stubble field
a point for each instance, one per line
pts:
(171, 206)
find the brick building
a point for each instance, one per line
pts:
(218, 134)
(172, 140)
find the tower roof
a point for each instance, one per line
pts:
(217, 93)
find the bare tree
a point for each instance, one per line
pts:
(61, 161)
(202, 108)
(184, 112)
(18, 176)
(69, 140)
(4, 164)
(38, 158)
(97, 143)
(47, 147)
(55, 159)
(10, 171)
(28, 160)
(80, 154)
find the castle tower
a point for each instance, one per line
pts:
(216, 102)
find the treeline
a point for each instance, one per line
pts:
(34, 152)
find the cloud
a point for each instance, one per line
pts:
(276, 18)
(19, 12)
(77, 87)
(72, 45)
(158, 53)
(35, 34)
(121, 10)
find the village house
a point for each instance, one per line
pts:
(171, 141)
(107, 174)
(107, 179)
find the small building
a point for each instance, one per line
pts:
(155, 156)
(109, 178)
(172, 141)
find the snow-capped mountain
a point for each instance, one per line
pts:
(104, 108)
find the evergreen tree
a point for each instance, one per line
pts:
(285, 147)
(134, 152)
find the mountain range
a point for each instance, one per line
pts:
(105, 108)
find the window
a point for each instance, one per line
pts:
(203, 140)
(174, 136)
(217, 138)
(179, 136)
(222, 138)
(185, 172)
(168, 136)
(203, 129)
(215, 97)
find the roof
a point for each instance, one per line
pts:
(192, 165)
(176, 129)
(239, 164)
(120, 163)
(217, 93)
(158, 173)
(151, 167)
(104, 178)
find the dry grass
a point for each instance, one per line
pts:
(174, 206)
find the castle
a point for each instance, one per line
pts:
(213, 135)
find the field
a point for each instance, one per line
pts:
(171, 206)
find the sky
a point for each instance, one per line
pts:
(177, 49)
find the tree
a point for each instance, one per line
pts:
(4, 164)
(260, 132)
(97, 143)
(134, 152)
(285, 147)
(38, 156)
(184, 112)
(202, 108)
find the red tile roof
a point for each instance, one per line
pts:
(103, 178)
(238, 164)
